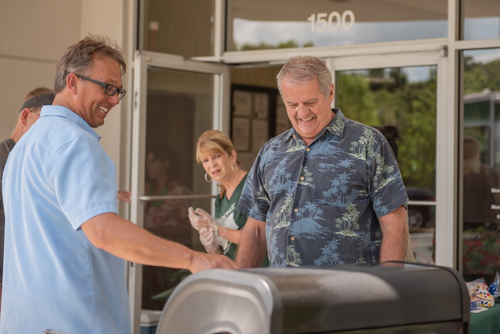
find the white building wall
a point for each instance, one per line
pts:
(34, 35)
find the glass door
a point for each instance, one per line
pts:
(480, 161)
(175, 101)
(398, 95)
(393, 91)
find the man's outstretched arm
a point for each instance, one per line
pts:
(132, 243)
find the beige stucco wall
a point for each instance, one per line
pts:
(34, 35)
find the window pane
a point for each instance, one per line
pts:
(482, 19)
(481, 165)
(257, 112)
(261, 24)
(184, 28)
(179, 110)
(402, 100)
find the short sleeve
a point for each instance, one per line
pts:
(254, 201)
(83, 178)
(387, 189)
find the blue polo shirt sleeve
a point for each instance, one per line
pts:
(386, 187)
(83, 178)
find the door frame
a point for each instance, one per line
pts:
(142, 62)
(398, 54)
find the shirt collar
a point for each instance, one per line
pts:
(61, 111)
(336, 126)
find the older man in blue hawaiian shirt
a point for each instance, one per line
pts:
(328, 191)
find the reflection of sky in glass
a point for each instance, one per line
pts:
(418, 74)
(482, 28)
(414, 74)
(273, 33)
(483, 56)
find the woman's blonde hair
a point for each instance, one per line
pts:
(214, 141)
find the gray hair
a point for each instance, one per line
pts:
(79, 56)
(302, 69)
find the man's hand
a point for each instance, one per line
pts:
(124, 196)
(202, 261)
(394, 226)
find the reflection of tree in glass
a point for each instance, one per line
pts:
(481, 244)
(480, 76)
(265, 46)
(378, 98)
(355, 98)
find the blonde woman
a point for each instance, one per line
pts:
(220, 234)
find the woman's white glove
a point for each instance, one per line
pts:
(207, 238)
(199, 219)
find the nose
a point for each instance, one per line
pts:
(298, 108)
(114, 99)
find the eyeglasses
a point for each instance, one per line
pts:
(34, 112)
(108, 89)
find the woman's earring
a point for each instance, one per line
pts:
(234, 168)
(206, 178)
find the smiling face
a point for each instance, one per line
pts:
(218, 165)
(307, 108)
(92, 104)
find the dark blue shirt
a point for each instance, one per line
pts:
(321, 202)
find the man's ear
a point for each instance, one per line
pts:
(331, 95)
(23, 116)
(71, 83)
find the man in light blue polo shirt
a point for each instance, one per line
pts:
(28, 115)
(64, 241)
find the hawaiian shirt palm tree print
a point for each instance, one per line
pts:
(321, 202)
